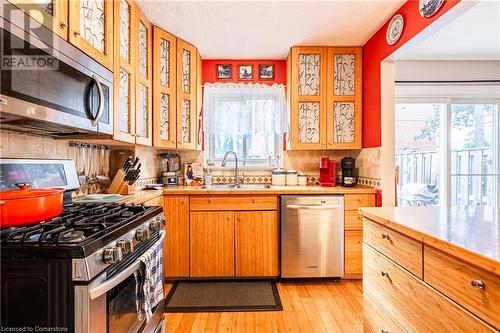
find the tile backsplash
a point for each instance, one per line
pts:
(21, 145)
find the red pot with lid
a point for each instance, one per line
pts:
(26, 206)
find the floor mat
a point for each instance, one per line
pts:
(223, 296)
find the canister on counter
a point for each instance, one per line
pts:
(279, 177)
(291, 177)
(302, 179)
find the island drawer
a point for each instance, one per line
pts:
(233, 202)
(404, 250)
(376, 320)
(412, 303)
(473, 288)
(355, 201)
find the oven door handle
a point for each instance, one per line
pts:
(119, 278)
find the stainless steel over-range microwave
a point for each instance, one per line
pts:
(48, 86)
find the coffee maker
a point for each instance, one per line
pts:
(348, 178)
(170, 165)
(326, 172)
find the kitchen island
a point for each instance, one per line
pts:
(431, 269)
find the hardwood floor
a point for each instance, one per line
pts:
(307, 307)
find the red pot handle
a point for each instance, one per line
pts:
(23, 186)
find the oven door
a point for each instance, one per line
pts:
(110, 304)
(46, 83)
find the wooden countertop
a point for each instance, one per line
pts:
(141, 196)
(274, 190)
(470, 233)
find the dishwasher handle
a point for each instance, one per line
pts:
(315, 207)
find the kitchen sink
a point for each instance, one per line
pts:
(235, 187)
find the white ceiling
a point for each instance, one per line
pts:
(267, 29)
(474, 35)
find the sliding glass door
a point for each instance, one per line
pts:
(447, 152)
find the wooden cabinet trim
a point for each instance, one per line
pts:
(233, 202)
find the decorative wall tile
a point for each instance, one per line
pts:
(309, 74)
(186, 121)
(309, 122)
(164, 62)
(124, 30)
(124, 101)
(143, 49)
(142, 117)
(186, 71)
(344, 122)
(164, 114)
(92, 22)
(343, 74)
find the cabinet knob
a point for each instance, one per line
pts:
(479, 284)
(209, 201)
(385, 236)
(384, 274)
(63, 25)
(76, 33)
(384, 331)
(359, 199)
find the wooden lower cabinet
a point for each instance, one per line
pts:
(211, 244)
(376, 319)
(176, 247)
(353, 256)
(256, 239)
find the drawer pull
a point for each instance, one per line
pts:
(384, 274)
(479, 284)
(385, 236)
(209, 201)
(384, 330)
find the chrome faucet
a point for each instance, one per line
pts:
(223, 164)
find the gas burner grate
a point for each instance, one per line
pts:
(77, 223)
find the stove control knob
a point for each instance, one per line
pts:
(142, 235)
(156, 225)
(125, 246)
(111, 255)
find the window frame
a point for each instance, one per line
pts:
(445, 150)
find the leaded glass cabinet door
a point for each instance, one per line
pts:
(91, 28)
(53, 14)
(124, 72)
(164, 84)
(344, 98)
(144, 78)
(186, 95)
(307, 98)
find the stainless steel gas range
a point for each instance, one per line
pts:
(81, 271)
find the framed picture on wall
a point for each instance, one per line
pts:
(266, 71)
(223, 71)
(245, 72)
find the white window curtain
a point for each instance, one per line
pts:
(228, 108)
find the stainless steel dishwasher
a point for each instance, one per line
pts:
(312, 236)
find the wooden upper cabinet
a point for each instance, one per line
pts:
(142, 39)
(164, 89)
(91, 28)
(186, 95)
(124, 72)
(53, 14)
(344, 98)
(308, 87)
(324, 98)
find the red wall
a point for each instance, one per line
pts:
(376, 50)
(209, 70)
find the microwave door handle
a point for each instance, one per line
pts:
(94, 119)
(100, 109)
(117, 279)
(325, 207)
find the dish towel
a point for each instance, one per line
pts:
(149, 280)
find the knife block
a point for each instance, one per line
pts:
(119, 186)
